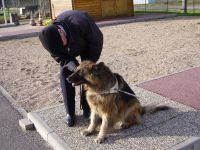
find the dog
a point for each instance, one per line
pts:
(109, 97)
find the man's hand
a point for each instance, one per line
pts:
(71, 66)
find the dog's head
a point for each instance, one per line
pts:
(88, 73)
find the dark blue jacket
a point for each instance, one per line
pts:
(83, 36)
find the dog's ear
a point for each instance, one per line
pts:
(97, 67)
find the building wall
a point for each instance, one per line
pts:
(98, 9)
(58, 6)
(93, 7)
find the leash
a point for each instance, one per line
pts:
(81, 100)
(133, 95)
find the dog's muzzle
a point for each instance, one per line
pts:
(76, 79)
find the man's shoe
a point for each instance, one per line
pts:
(70, 121)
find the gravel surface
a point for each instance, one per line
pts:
(138, 51)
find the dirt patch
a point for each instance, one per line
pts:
(138, 51)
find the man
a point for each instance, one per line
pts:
(73, 33)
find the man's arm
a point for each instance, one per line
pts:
(93, 36)
(88, 30)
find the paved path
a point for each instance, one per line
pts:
(176, 129)
(21, 31)
(12, 137)
(24, 31)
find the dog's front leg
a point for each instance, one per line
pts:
(92, 126)
(103, 130)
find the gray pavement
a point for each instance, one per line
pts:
(178, 128)
(19, 32)
(26, 30)
(12, 137)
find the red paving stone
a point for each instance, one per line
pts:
(183, 87)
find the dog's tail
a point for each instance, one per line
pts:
(153, 109)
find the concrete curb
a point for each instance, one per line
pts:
(7, 25)
(13, 102)
(192, 143)
(47, 133)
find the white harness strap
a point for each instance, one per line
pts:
(113, 89)
(128, 93)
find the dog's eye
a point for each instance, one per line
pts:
(83, 72)
(79, 73)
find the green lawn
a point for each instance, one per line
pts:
(2, 16)
(177, 3)
(178, 12)
(11, 10)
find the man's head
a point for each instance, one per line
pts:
(53, 39)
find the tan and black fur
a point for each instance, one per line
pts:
(110, 107)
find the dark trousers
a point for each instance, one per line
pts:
(68, 92)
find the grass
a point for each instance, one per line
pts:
(11, 10)
(2, 19)
(2, 16)
(179, 3)
(179, 13)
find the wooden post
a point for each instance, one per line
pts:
(73, 7)
(4, 12)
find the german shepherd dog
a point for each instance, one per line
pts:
(109, 97)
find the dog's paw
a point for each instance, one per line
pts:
(124, 126)
(86, 133)
(100, 140)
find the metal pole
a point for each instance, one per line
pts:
(185, 10)
(193, 7)
(4, 11)
(184, 5)
(167, 5)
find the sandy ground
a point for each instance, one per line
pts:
(138, 51)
